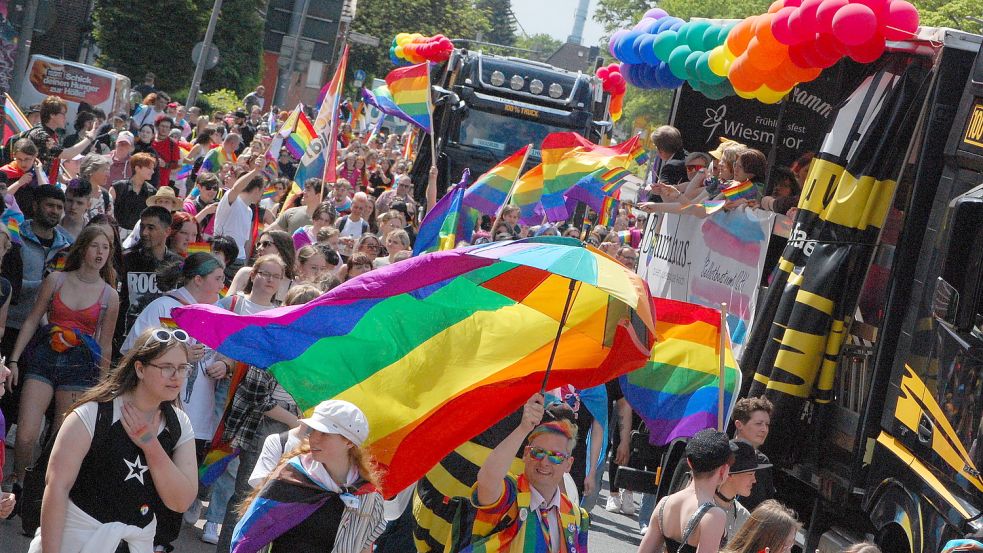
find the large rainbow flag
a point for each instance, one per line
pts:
(676, 392)
(448, 222)
(410, 90)
(597, 187)
(381, 98)
(527, 194)
(490, 190)
(15, 122)
(569, 157)
(481, 335)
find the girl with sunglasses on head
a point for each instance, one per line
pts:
(204, 204)
(126, 441)
(270, 242)
(66, 354)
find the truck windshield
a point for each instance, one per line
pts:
(502, 135)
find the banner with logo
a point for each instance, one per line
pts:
(709, 261)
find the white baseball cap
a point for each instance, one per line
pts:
(336, 416)
(125, 136)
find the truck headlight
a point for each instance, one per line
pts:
(536, 86)
(517, 82)
(555, 90)
(497, 78)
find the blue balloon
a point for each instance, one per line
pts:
(676, 25)
(664, 24)
(646, 51)
(652, 72)
(648, 25)
(626, 72)
(625, 49)
(666, 77)
(638, 73)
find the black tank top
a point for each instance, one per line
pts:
(114, 482)
(673, 546)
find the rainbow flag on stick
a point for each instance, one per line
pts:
(527, 193)
(448, 222)
(491, 190)
(608, 212)
(328, 120)
(301, 136)
(410, 90)
(12, 219)
(740, 190)
(216, 158)
(597, 186)
(199, 247)
(15, 121)
(676, 392)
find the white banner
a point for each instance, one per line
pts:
(708, 261)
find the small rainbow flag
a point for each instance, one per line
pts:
(167, 322)
(675, 393)
(301, 136)
(595, 187)
(58, 263)
(14, 120)
(608, 212)
(528, 191)
(490, 190)
(199, 247)
(740, 190)
(410, 89)
(13, 220)
(448, 222)
(270, 192)
(713, 206)
(185, 170)
(224, 292)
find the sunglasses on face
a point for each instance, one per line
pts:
(164, 335)
(538, 453)
(694, 167)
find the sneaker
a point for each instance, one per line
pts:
(627, 503)
(193, 513)
(642, 529)
(614, 504)
(210, 534)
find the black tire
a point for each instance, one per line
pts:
(681, 476)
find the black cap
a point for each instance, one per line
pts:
(745, 458)
(240, 113)
(708, 449)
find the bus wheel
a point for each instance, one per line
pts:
(681, 476)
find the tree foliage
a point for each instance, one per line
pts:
(135, 41)
(502, 23)
(386, 18)
(239, 38)
(543, 44)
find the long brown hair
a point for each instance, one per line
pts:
(769, 526)
(358, 457)
(123, 378)
(77, 251)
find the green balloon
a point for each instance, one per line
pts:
(682, 32)
(710, 38)
(722, 34)
(665, 43)
(677, 61)
(690, 65)
(704, 73)
(694, 38)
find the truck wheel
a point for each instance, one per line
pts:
(681, 477)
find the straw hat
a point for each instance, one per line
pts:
(166, 198)
(724, 143)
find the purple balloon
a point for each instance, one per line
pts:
(663, 25)
(648, 25)
(656, 13)
(642, 24)
(615, 38)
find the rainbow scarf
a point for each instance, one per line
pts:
(569, 157)
(675, 393)
(448, 222)
(410, 90)
(489, 191)
(740, 190)
(527, 193)
(410, 388)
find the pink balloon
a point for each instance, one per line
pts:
(869, 51)
(616, 78)
(809, 8)
(825, 13)
(779, 27)
(614, 68)
(802, 26)
(879, 7)
(792, 3)
(901, 21)
(854, 24)
(603, 72)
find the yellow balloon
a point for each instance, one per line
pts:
(403, 38)
(416, 36)
(719, 62)
(745, 94)
(766, 95)
(399, 53)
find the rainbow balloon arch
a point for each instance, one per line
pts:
(762, 57)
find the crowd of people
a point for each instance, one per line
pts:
(128, 218)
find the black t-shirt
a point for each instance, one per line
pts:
(585, 419)
(129, 203)
(140, 280)
(673, 171)
(315, 533)
(47, 242)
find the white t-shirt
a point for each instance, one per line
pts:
(88, 412)
(270, 456)
(353, 228)
(236, 221)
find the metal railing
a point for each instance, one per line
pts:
(853, 377)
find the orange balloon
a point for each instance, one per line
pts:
(768, 42)
(739, 37)
(776, 5)
(775, 80)
(743, 76)
(761, 57)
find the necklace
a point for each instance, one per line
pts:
(78, 276)
(723, 497)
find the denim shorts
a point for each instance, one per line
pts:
(69, 371)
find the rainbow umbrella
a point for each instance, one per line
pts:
(437, 348)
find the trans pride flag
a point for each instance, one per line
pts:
(675, 393)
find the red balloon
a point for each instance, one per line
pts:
(854, 24)
(779, 27)
(825, 13)
(800, 26)
(809, 8)
(793, 3)
(616, 78)
(603, 72)
(867, 52)
(827, 51)
(879, 7)
(798, 54)
(614, 68)
(901, 21)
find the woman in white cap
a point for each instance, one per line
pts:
(328, 486)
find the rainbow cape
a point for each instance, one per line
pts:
(301, 136)
(448, 222)
(528, 191)
(675, 393)
(740, 190)
(215, 158)
(482, 333)
(410, 90)
(490, 190)
(597, 186)
(15, 121)
(569, 157)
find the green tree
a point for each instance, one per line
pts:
(135, 41)
(950, 13)
(239, 38)
(542, 44)
(386, 18)
(499, 14)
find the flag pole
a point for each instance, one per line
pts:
(559, 331)
(721, 418)
(508, 197)
(433, 141)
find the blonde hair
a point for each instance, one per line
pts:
(768, 527)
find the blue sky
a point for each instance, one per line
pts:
(555, 18)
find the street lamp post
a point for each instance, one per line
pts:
(203, 58)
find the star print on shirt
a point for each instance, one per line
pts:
(136, 468)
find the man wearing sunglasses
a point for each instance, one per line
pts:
(529, 512)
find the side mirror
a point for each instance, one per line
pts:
(945, 301)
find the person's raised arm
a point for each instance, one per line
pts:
(80, 146)
(432, 189)
(71, 446)
(493, 471)
(252, 171)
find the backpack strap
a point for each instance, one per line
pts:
(59, 282)
(694, 521)
(104, 420)
(103, 305)
(177, 298)
(173, 427)
(283, 436)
